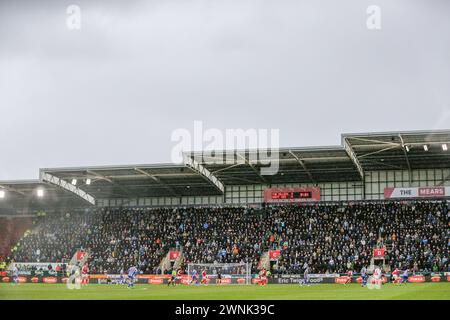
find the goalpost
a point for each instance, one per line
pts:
(237, 273)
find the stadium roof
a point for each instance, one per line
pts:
(400, 150)
(136, 180)
(23, 195)
(202, 175)
(307, 165)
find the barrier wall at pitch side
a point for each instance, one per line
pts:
(163, 279)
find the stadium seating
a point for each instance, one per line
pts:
(11, 230)
(330, 237)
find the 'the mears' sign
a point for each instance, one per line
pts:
(422, 192)
(431, 192)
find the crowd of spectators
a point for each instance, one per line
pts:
(54, 238)
(325, 237)
(338, 238)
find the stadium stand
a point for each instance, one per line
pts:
(332, 237)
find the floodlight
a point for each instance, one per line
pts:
(444, 147)
(40, 193)
(88, 181)
(2, 194)
(425, 147)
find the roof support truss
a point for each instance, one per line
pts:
(47, 177)
(205, 173)
(348, 148)
(251, 166)
(378, 151)
(302, 164)
(372, 141)
(101, 177)
(226, 168)
(156, 179)
(406, 158)
(12, 190)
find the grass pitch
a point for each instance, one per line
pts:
(411, 291)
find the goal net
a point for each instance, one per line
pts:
(230, 273)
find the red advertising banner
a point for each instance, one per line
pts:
(340, 280)
(173, 255)
(378, 253)
(155, 281)
(49, 280)
(274, 254)
(272, 195)
(416, 279)
(436, 278)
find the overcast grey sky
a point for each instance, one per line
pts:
(113, 92)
